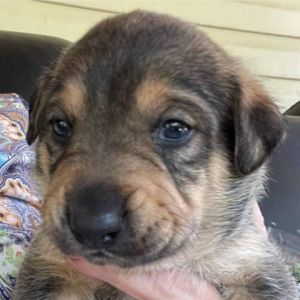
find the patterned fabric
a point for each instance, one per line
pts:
(19, 215)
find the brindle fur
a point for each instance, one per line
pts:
(190, 207)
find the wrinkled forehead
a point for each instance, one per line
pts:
(139, 67)
(148, 99)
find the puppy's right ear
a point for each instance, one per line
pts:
(37, 106)
(258, 124)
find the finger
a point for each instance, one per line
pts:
(259, 218)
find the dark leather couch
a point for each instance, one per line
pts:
(24, 56)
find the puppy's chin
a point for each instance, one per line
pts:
(147, 258)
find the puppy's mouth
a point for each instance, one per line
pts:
(129, 251)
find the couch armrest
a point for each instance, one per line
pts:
(294, 110)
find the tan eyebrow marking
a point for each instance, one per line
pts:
(73, 98)
(151, 95)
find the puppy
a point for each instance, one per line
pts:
(152, 150)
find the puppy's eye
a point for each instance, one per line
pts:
(61, 128)
(175, 131)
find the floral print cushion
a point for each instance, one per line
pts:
(19, 204)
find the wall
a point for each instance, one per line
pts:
(264, 34)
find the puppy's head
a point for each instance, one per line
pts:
(151, 139)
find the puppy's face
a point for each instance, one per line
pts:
(149, 136)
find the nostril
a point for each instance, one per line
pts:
(109, 238)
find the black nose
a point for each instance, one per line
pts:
(95, 215)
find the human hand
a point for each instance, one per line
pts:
(259, 219)
(145, 286)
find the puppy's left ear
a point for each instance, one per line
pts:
(259, 126)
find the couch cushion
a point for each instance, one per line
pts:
(23, 57)
(281, 207)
